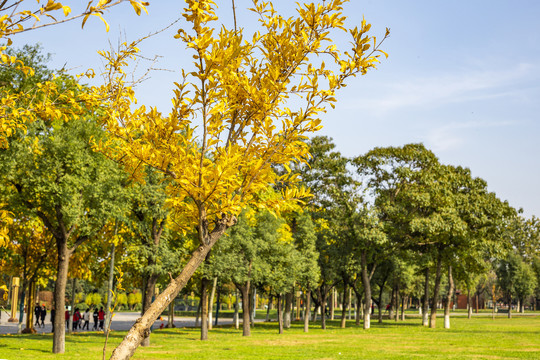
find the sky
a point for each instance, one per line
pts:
(462, 77)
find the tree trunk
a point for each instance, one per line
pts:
(381, 305)
(198, 313)
(170, 317)
(246, 328)
(218, 305)
(236, 312)
(204, 309)
(280, 313)
(211, 303)
(59, 297)
(268, 309)
(307, 308)
(425, 304)
(288, 309)
(148, 294)
(433, 315)
(403, 303)
(359, 303)
(30, 304)
(367, 292)
(391, 309)
(110, 289)
(323, 310)
(135, 335)
(344, 301)
(469, 303)
(397, 302)
(332, 303)
(73, 285)
(509, 306)
(448, 298)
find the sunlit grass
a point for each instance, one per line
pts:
(478, 338)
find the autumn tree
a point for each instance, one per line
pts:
(231, 120)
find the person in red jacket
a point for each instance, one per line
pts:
(67, 319)
(101, 318)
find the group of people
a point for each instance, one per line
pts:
(78, 318)
(40, 312)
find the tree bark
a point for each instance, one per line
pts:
(204, 309)
(344, 301)
(244, 291)
(448, 298)
(307, 308)
(332, 303)
(469, 303)
(403, 303)
(110, 288)
(433, 315)
(425, 304)
(236, 312)
(509, 306)
(391, 309)
(280, 313)
(148, 294)
(170, 317)
(397, 301)
(211, 303)
(366, 282)
(59, 335)
(288, 309)
(268, 309)
(135, 335)
(323, 310)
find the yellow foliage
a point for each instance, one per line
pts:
(232, 120)
(46, 101)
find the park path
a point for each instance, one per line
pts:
(122, 321)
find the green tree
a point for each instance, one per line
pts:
(50, 171)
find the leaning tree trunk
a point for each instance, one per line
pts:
(425, 303)
(433, 315)
(204, 309)
(135, 335)
(307, 310)
(59, 334)
(448, 298)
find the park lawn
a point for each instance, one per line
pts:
(478, 338)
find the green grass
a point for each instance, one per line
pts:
(478, 338)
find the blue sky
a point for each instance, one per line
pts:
(463, 77)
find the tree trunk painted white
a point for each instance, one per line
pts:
(448, 298)
(307, 309)
(211, 303)
(236, 317)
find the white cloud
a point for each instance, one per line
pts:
(443, 89)
(452, 135)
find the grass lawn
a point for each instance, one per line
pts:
(478, 338)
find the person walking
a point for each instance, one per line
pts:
(42, 315)
(53, 314)
(96, 317)
(37, 314)
(101, 316)
(86, 318)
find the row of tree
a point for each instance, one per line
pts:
(87, 174)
